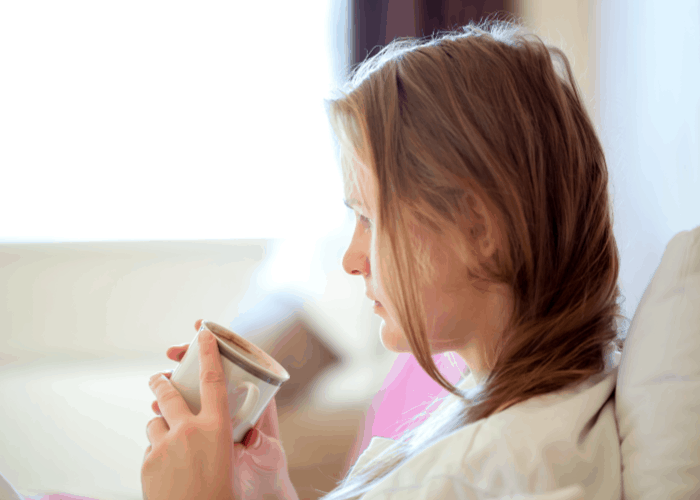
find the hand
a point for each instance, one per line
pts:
(259, 469)
(191, 456)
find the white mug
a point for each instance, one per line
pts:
(253, 377)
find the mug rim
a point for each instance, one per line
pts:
(259, 372)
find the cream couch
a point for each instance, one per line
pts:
(84, 325)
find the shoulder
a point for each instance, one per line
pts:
(543, 444)
(556, 440)
(456, 488)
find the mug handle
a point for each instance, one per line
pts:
(251, 399)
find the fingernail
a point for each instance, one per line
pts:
(253, 437)
(179, 358)
(204, 335)
(258, 439)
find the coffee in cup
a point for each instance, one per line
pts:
(249, 352)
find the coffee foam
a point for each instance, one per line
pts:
(247, 349)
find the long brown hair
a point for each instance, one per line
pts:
(482, 127)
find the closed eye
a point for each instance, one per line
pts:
(365, 221)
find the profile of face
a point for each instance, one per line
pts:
(460, 321)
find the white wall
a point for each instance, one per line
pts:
(637, 62)
(166, 121)
(569, 26)
(650, 121)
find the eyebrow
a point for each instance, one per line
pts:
(352, 201)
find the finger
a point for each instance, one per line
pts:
(198, 324)
(154, 405)
(176, 352)
(212, 382)
(172, 405)
(269, 422)
(167, 373)
(156, 429)
(156, 408)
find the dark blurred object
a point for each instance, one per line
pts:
(378, 22)
(280, 326)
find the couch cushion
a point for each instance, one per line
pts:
(658, 386)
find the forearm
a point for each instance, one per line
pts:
(281, 488)
(284, 489)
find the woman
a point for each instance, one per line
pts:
(484, 228)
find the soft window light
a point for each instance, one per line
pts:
(150, 120)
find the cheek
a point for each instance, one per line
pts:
(379, 263)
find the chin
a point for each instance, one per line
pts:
(392, 339)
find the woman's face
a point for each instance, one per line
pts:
(362, 258)
(461, 321)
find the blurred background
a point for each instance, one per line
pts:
(167, 162)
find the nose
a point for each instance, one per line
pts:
(356, 258)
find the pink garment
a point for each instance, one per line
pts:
(406, 392)
(57, 496)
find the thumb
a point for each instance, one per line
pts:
(266, 452)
